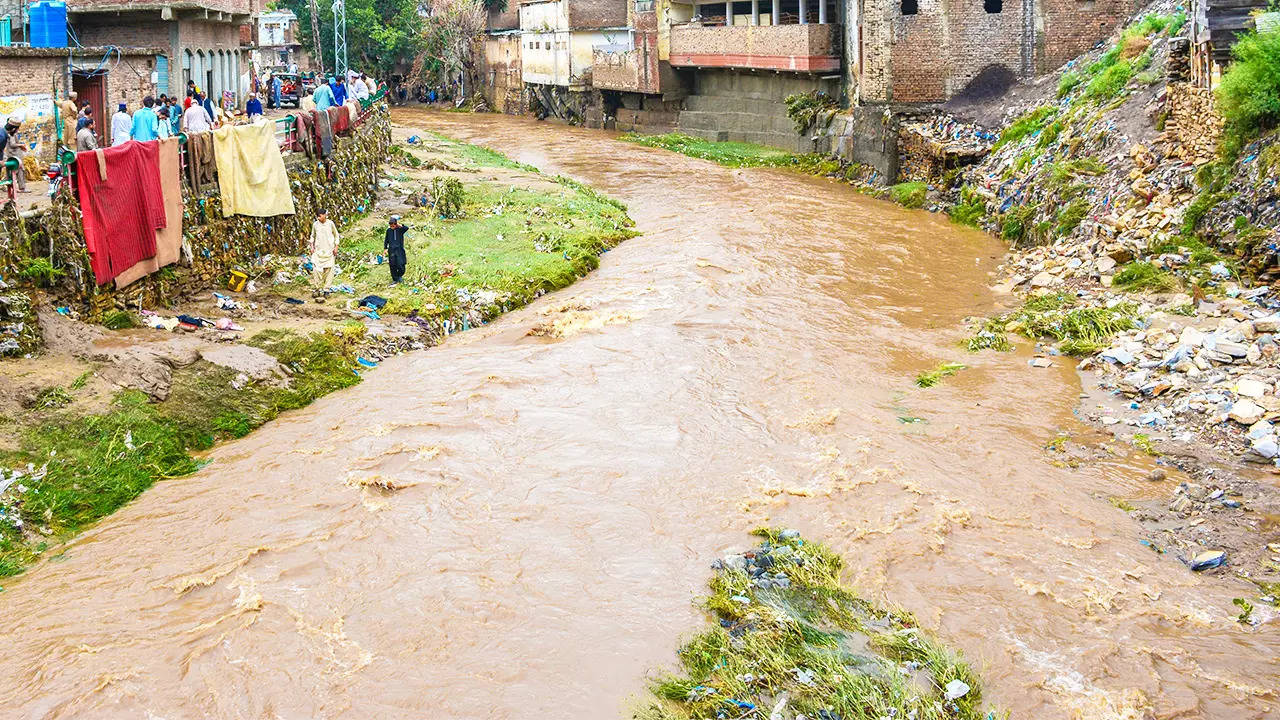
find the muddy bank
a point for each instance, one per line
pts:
(212, 363)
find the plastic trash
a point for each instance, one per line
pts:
(1209, 559)
(294, 301)
(367, 363)
(956, 689)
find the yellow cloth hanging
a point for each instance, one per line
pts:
(251, 174)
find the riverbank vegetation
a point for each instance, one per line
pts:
(69, 470)
(481, 245)
(788, 639)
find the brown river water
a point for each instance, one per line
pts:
(745, 361)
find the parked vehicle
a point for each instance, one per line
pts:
(290, 89)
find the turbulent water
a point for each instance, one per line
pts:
(747, 360)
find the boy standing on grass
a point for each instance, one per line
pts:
(324, 245)
(394, 243)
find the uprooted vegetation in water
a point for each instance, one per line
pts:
(73, 470)
(1058, 317)
(790, 641)
(930, 378)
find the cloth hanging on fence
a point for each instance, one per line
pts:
(305, 135)
(122, 205)
(338, 119)
(324, 132)
(251, 174)
(200, 159)
(169, 239)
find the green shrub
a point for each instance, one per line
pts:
(1108, 83)
(447, 196)
(804, 108)
(909, 194)
(120, 320)
(39, 271)
(1249, 94)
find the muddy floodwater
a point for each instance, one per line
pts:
(747, 360)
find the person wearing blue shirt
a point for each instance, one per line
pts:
(145, 121)
(253, 108)
(208, 107)
(339, 91)
(323, 97)
(175, 115)
(276, 88)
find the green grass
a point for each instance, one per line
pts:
(1143, 443)
(829, 651)
(1016, 226)
(909, 194)
(1144, 276)
(1076, 330)
(479, 155)
(95, 464)
(970, 210)
(1249, 93)
(1032, 122)
(729, 154)
(508, 246)
(1070, 217)
(1069, 81)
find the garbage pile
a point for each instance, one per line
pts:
(929, 148)
(19, 328)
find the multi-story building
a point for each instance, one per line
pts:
(557, 39)
(200, 39)
(275, 42)
(499, 69)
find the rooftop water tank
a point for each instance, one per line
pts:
(48, 24)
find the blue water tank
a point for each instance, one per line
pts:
(48, 24)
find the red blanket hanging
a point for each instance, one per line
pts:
(122, 205)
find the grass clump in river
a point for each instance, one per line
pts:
(909, 194)
(789, 640)
(69, 471)
(729, 154)
(932, 377)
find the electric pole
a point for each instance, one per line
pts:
(340, 38)
(318, 60)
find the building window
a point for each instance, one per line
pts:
(910, 7)
(993, 6)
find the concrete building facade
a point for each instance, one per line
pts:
(201, 39)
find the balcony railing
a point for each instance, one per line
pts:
(799, 48)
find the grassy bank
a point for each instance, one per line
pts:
(746, 155)
(76, 469)
(789, 640)
(485, 243)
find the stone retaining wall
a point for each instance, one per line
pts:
(1193, 122)
(344, 183)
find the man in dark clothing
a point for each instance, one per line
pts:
(394, 243)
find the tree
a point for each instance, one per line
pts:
(382, 35)
(449, 32)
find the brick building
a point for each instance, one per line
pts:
(200, 39)
(557, 42)
(927, 51)
(32, 78)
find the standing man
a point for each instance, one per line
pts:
(339, 91)
(145, 121)
(11, 149)
(360, 88)
(69, 117)
(394, 244)
(277, 86)
(196, 118)
(323, 97)
(85, 138)
(324, 245)
(175, 116)
(121, 126)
